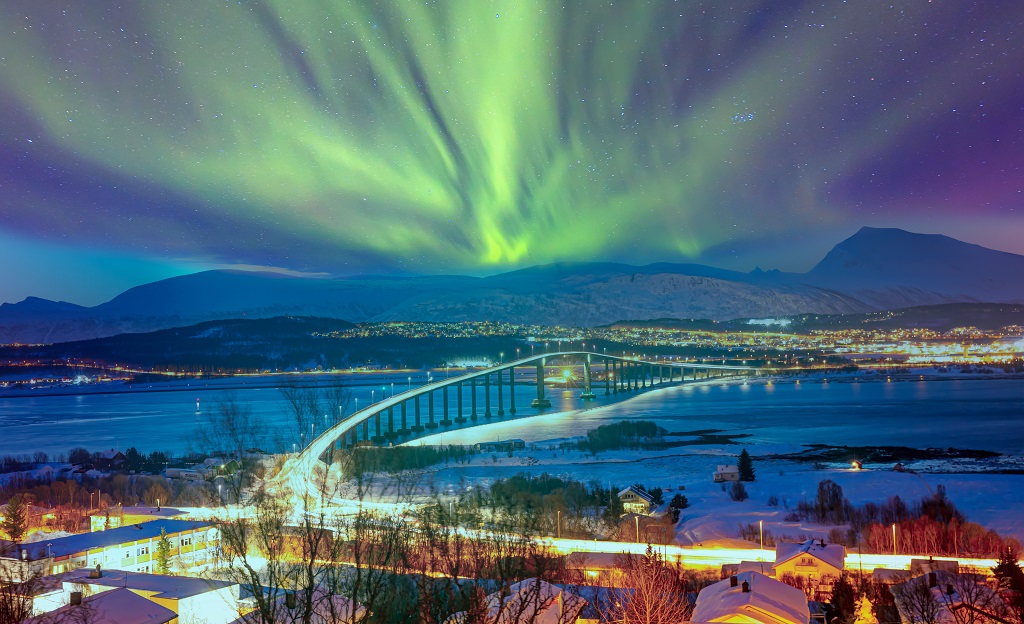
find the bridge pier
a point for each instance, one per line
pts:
(487, 395)
(588, 392)
(404, 431)
(430, 411)
(460, 418)
(416, 414)
(379, 438)
(391, 435)
(444, 400)
(607, 379)
(512, 391)
(366, 430)
(472, 395)
(540, 402)
(501, 399)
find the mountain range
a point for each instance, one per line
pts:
(875, 269)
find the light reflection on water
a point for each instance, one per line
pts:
(985, 414)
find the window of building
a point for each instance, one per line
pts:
(143, 550)
(186, 541)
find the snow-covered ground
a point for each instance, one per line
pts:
(993, 500)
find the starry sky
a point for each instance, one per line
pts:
(140, 140)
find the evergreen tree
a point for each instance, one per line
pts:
(1010, 577)
(163, 554)
(679, 502)
(864, 613)
(746, 466)
(844, 600)
(15, 518)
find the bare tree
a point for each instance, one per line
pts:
(311, 410)
(231, 428)
(916, 601)
(969, 599)
(652, 591)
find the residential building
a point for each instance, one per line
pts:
(531, 601)
(131, 548)
(726, 473)
(753, 598)
(500, 446)
(945, 597)
(111, 459)
(812, 565)
(120, 605)
(635, 500)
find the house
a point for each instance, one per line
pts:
(919, 567)
(595, 568)
(110, 460)
(531, 601)
(119, 516)
(947, 598)
(120, 605)
(753, 598)
(762, 567)
(500, 446)
(131, 548)
(727, 473)
(635, 500)
(193, 600)
(813, 565)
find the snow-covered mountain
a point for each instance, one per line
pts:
(872, 270)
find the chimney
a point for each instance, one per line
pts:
(932, 582)
(823, 542)
(97, 573)
(733, 581)
(289, 600)
(76, 598)
(949, 589)
(746, 587)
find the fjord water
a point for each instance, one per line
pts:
(963, 413)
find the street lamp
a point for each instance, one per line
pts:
(220, 496)
(373, 393)
(410, 383)
(893, 538)
(760, 528)
(501, 358)
(636, 519)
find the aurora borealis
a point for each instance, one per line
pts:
(476, 136)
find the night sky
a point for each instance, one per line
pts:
(140, 140)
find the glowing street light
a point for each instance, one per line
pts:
(894, 538)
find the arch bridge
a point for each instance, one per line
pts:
(430, 408)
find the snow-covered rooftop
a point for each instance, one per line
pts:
(162, 585)
(532, 600)
(832, 554)
(119, 605)
(768, 601)
(638, 492)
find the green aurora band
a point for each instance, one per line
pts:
(467, 134)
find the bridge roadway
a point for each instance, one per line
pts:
(620, 375)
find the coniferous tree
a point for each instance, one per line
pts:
(746, 466)
(1010, 577)
(163, 553)
(15, 518)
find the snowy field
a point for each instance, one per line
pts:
(993, 500)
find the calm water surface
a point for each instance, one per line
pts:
(982, 414)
